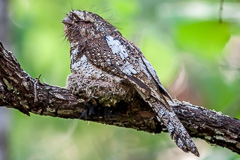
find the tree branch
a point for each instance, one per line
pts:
(20, 91)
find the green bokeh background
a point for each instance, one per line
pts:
(182, 39)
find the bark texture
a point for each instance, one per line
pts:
(20, 91)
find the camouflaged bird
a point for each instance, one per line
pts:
(107, 66)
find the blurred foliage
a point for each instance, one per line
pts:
(204, 38)
(173, 35)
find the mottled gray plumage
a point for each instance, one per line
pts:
(107, 66)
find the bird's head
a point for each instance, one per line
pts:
(79, 25)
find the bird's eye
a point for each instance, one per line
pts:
(75, 17)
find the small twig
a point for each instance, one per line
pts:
(221, 11)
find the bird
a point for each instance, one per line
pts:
(106, 65)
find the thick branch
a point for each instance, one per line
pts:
(20, 91)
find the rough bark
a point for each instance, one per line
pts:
(20, 91)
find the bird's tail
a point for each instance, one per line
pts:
(176, 129)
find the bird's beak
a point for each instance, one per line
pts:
(67, 20)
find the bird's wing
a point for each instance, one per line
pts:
(119, 57)
(155, 77)
(114, 59)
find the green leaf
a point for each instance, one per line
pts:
(206, 39)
